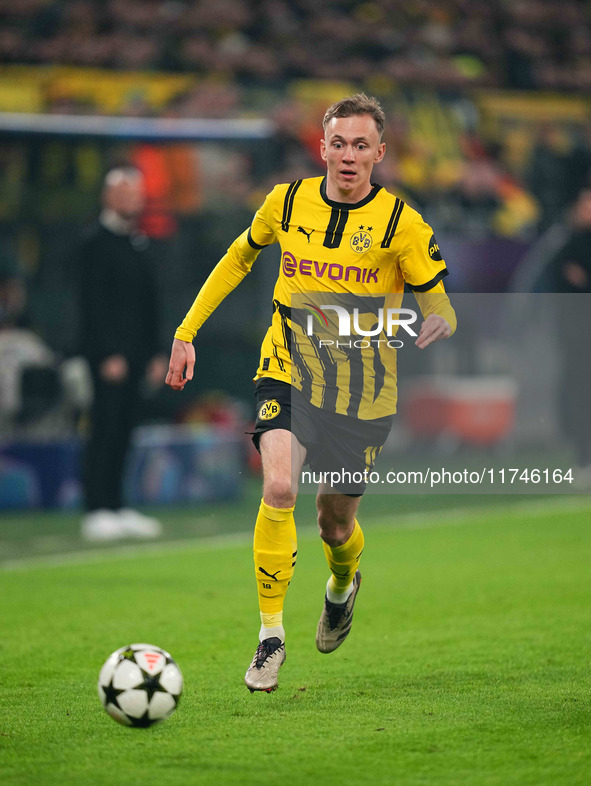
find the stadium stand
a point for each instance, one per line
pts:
(529, 44)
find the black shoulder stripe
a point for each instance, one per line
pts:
(430, 284)
(251, 242)
(393, 223)
(288, 204)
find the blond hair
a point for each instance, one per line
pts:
(359, 104)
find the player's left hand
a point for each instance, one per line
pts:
(434, 328)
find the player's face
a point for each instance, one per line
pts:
(351, 146)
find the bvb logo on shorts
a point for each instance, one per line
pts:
(269, 410)
(361, 241)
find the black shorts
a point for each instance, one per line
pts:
(334, 443)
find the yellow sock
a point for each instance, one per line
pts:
(343, 560)
(275, 550)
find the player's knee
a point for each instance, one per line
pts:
(334, 528)
(278, 493)
(334, 536)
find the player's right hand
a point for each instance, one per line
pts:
(181, 365)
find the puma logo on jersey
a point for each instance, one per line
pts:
(307, 234)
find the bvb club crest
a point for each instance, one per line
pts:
(269, 410)
(361, 240)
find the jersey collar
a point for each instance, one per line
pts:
(375, 187)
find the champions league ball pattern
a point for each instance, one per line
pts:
(140, 685)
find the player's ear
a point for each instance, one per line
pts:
(380, 153)
(323, 149)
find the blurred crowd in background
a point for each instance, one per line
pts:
(524, 44)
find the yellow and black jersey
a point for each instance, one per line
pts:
(370, 250)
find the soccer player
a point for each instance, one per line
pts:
(323, 404)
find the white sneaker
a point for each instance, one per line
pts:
(136, 525)
(101, 525)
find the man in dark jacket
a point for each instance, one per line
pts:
(119, 335)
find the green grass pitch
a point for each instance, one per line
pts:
(468, 663)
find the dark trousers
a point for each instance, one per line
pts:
(574, 329)
(113, 416)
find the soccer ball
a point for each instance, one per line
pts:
(140, 685)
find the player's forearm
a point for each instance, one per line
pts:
(224, 278)
(436, 301)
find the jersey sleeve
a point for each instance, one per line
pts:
(436, 301)
(262, 230)
(231, 269)
(420, 259)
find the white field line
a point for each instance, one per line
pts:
(422, 520)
